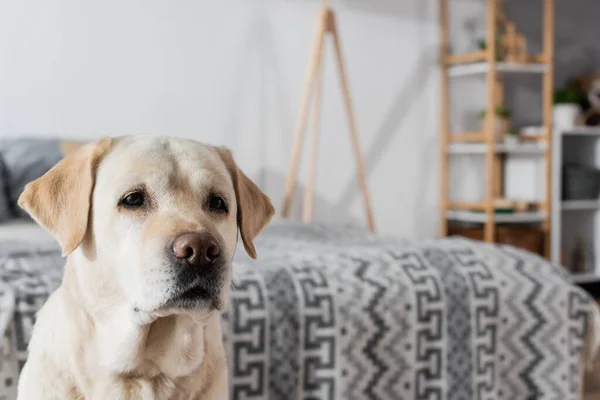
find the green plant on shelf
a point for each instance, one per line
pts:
(499, 211)
(568, 95)
(501, 112)
(513, 132)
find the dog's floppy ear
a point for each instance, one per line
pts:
(60, 199)
(254, 208)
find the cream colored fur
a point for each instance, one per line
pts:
(104, 333)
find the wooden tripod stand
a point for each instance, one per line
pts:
(314, 77)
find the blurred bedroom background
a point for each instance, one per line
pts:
(233, 73)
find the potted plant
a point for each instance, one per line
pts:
(567, 105)
(501, 122)
(512, 137)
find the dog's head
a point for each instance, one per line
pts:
(154, 220)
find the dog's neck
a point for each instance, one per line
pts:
(173, 345)
(176, 345)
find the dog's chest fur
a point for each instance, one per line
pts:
(175, 345)
(175, 362)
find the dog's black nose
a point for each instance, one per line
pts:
(196, 248)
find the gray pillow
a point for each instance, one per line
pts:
(26, 160)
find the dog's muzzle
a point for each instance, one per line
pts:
(199, 268)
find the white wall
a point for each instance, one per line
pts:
(231, 72)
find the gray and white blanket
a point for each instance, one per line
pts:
(334, 313)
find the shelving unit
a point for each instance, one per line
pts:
(576, 218)
(485, 143)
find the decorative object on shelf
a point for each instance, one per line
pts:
(326, 25)
(526, 206)
(501, 206)
(518, 206)
(510, 45)
(501, 122)
(504, 205)
(589, 87)
(580, 182)
(530, 134)
(579, 257)
(513, 44)
(567, 107)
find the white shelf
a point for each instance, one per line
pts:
(481, 148)
(582, 205)
(587, 277)
(483, 67)
(515, 218)
(582, 131)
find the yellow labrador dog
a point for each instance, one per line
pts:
(149, 226)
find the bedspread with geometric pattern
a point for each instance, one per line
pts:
(334, 313)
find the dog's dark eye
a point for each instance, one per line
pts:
(216, 203)
(133, 200)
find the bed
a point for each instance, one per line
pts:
(331, 312)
